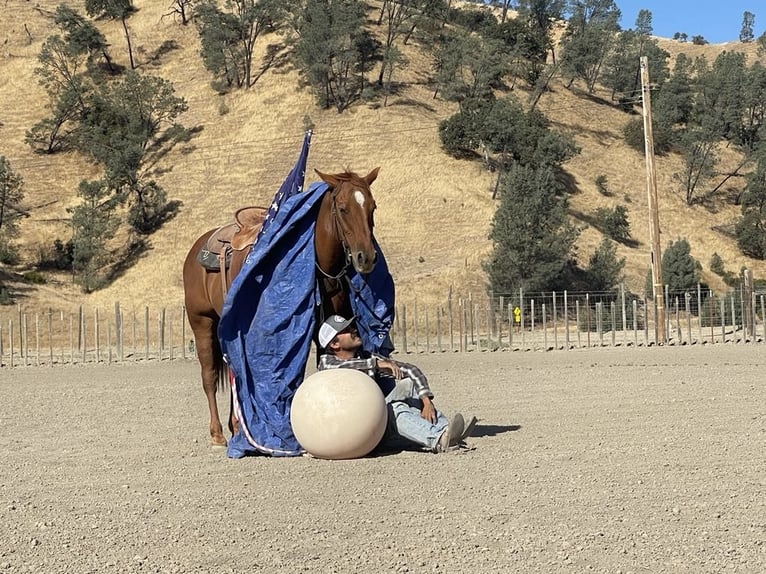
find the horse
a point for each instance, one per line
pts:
(343, 237)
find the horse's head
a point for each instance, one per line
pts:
(352, 212)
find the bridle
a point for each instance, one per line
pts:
(340, 233)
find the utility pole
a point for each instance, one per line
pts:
(654, 215)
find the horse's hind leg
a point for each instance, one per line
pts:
(211, 363)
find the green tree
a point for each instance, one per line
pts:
(60, 73)
(605, 269)
(716, 265)
(502, 127)
(746, 32)
(699, 161)
(129, 123)
(614, 222)
(532, 237)
(468, 66)
(397, 19)
(116, 10)
(680, 271)
(229, 37)
(644, 22)
(11, 196)
(94, 224)
(81, 36)
(589, 37)
(330, 49)
(751, 227)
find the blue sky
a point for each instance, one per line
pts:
(715, 20)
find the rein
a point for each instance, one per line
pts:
(346, 251)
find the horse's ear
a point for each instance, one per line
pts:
(372, 176)
(330, 180)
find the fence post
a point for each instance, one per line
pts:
(577, 319)
(183, 332)
(97, 337)
(687, 297)
(146, 333)
(699, 311)
(428, 334)
(25, 338)
(439, 328)
(37, 338)
(587, 317)
(510, 327)
(555, 324)
(613, 309)
(723, 319)
(415, 327)
(10, 339)
(449, 320)
(566, 320)
(635, 322)
(545, 328)
(404, 328)
(83, 330)
(50, 334)
(118, 328)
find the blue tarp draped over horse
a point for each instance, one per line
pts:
(269, 318)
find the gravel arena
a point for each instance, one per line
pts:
(597, 460)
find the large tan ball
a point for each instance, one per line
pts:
(338, 414)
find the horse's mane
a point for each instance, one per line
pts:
(348, 175)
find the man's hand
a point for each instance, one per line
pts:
(429, 410)
(391, 366)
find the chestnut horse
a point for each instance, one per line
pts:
(343, 236)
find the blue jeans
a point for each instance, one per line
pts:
(405, 425)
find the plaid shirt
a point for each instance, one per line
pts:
(369, 366)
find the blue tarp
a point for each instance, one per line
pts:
(269, 317)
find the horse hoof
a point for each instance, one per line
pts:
(218, 443)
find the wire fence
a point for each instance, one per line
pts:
(461, 323)
(561, 321)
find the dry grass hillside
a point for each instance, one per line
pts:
(434, 211)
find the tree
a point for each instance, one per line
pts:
(182, 9)
(116, 10)
(532, 237)
(605, 270)
(504, 128)
(11, 196)
(589, 37)
(700, 159)
(644, 23)
(614, 222)
(128, 123)
(81, 36)
(330, 48)
(746, 32)
(751, 227)
(468, 66)
(680, 271)
(94, 224)
(61, 75)
(229, 37)
(398, 17)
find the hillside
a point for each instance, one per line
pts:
(434, 212)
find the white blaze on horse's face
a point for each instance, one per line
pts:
(359, 196)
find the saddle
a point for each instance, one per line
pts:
(237, 236)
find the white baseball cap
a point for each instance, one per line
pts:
(331, 327)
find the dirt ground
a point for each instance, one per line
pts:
(601, 460)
